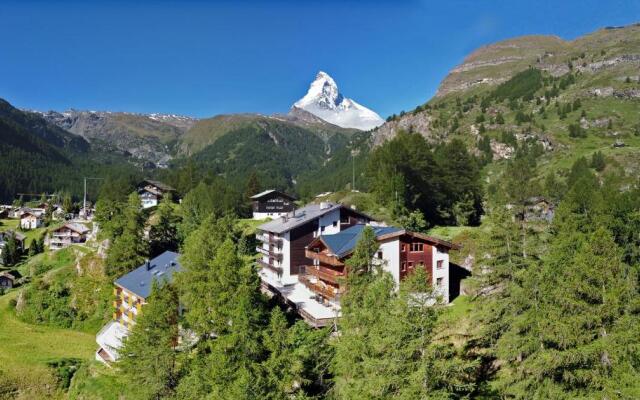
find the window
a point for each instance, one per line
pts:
(322, 229)
(410, 265)
(440, 264)
(380, 254)
(416, 247)
(439, 282)
(404, 266)
(335, 223)
(405, 247)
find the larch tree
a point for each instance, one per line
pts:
(149, 352)
(130, 248)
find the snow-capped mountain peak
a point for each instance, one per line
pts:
(324, 100)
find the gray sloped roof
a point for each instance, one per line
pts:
(299, 217)
(342, 243)
(140, 280)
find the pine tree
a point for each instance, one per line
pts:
(200, 282)
(10, 252)
(579, 335)
(149, 352)
(298, 358)
(163, 235)
(236, 311)
(253, 185)
(129, 249)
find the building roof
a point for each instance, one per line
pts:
(270, 191)
(140, 280)
(26, 214)
(76, 227)
(8, 276)
(159, 185)
(343, 243)
(299, 217)
(17, 235)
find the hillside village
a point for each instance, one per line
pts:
(483, 245)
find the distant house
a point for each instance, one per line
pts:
(131, 293)
(7, 280)
(68, 234)
(57, 213)
(272, 204)
(30, 220)
(151, 192)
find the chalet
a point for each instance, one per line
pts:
(272, 204)
(400, 253)
(151, 192)
(282, 245)
(131, 293)
(7, 280)
(68, 234)
(31, 220)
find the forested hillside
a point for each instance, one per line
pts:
(40, 157)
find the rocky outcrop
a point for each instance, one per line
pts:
(418, 122)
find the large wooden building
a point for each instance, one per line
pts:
(272, 204)
(282, 250)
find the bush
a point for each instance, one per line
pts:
(576, 131)
(598, 161)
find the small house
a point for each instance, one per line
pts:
(272, 204)
(68, 234)
(30, 220)
(7, 281)
(151, 192)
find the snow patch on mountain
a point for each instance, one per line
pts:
(324, 100)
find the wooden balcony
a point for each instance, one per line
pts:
(273, 268)
(324, 273)
(325, 291)
(323, 258)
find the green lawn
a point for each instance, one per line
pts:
(26, 349)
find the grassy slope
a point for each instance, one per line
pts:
(27, 348)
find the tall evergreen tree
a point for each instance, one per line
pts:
(149, 352)
(129, 249)
(163, 235)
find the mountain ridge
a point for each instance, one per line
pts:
(324, 100)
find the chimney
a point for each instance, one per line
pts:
(353, 206)
(324, 205)
(148, 265)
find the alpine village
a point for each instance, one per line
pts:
(483, 245)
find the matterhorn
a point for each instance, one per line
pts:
(325, 101)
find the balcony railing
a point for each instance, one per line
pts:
(323, 258)
(318, 288)
(266, 238)
(277, 270)
(324, 273)
(269, 253)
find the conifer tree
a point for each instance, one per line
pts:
(10, 252)
(203, 284)
(149, 352)
(163, 235)
(129, 249)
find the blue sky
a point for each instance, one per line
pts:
(203, 58)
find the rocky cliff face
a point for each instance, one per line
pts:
(148, 138)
